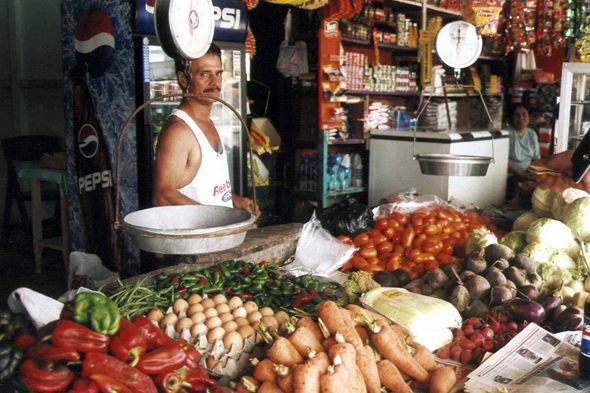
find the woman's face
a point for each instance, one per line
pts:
(520, 118)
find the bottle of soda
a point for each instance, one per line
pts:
(93, 172)
(584, 363)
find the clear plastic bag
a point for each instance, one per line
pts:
(318, 252)
(411, 201)
(86, 270)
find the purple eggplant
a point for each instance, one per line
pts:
(569, 320)
(520, 310)
(550, 304)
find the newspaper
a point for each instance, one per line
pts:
(534, 361)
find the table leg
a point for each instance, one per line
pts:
(36, 220)
(65, 231)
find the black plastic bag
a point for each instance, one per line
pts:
(348, 218)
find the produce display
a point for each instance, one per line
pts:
(259, 283)
(335, 353)
(416, 243)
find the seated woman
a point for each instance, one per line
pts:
(524, 148)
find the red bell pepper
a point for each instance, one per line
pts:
(199, 381)
(109, 385)
(24, 341)
(135, 380)
(45, 351)
(45, 377)
(166, 358)
(84, 385)
(192, 355)
(128, 342)
(154, 337)
(169, 382)
(72, 335)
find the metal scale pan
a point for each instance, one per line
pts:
(458, 46)
(185, 30)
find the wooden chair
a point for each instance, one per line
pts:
(24, 148)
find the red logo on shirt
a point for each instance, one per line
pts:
(217, 190)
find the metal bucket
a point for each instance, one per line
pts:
(185, 230)
(453, 164)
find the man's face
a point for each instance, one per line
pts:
(206, 75)
(520, 119)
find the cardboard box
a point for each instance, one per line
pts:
(264, 136)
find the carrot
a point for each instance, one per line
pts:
(283, 352)
(303, 340)
(443, 380)
(362, 332)
(355, 337)
(312, 326)
(399, 331)
(357, 313)
(391, 378)
(286, 382)
(328, 343)
(335, 380)
(269, 387)
(346, 352)
(306, 377)
(330, 314)
(264, 371)
(392, 348)
(247, 385)
(365, 360)
(424, 357)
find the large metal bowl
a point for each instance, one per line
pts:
(185, 230)
(453, 164)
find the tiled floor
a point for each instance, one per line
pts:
(17, 269)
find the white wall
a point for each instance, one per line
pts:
(31, 93)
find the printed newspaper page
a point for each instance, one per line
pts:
(532, 362)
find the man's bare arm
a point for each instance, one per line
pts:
(174, 146)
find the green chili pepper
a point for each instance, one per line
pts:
(247, 279)
(225, 271)
(101, 312)
(255, 288)
(216, 277)
(212, 289)
(162, 276)
(275, 292)
(207, 273)
(189, 278)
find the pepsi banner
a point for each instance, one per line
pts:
(231, 19)
(98, 67)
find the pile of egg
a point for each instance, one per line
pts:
(231, 321)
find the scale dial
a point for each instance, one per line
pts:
(458, 45)
(185, 27)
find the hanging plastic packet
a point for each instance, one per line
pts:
(486, 16)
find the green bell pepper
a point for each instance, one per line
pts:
(97, 310)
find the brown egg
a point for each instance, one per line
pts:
(246, 331)
(169, 319)
(239, 312)
(219, 299)
(226, 317)
(198, 317)
(215, 334)
(265, 311)
(211, 312)
(194, 298)
(155, 315)
(196, 307)
(213, 322)
(184, 323)
(282, 317)
(241, 321)
(254, 317)
(180, 305)
(230, 326)
(208, 303)
(235, 302)
(250, 307)
(234, 339)
(222, 308)
(199, 328)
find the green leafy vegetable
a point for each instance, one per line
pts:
(516, 240)
(525, 220)
(480, 238)
(578, 218)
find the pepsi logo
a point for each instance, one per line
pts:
(94, 42)
(88, 141)
(149, 6)
(226, 197)
(193, 19)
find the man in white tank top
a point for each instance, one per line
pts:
(191, 163)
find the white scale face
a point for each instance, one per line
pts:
(192, 26)
(458, 45)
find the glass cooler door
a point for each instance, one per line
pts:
(574, 107)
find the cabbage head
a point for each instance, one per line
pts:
(578, 218)
(480, 238)
(542, 200)
(540, 252)
(524, 221)
(561, 202)
(516, 240)
(553, 275)
(551, 233)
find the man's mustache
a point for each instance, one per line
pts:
(212, 89)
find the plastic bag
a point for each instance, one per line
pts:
(318, 252)
(411, 201)
(86, 270)
(40, 308)
(348, 218)
(293, 59)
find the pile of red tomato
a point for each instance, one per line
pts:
(417, 242)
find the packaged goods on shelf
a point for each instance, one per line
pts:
(435, 115)
(478, 116)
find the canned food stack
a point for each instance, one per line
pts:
(355, 69)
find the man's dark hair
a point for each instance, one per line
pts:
(180, 64)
